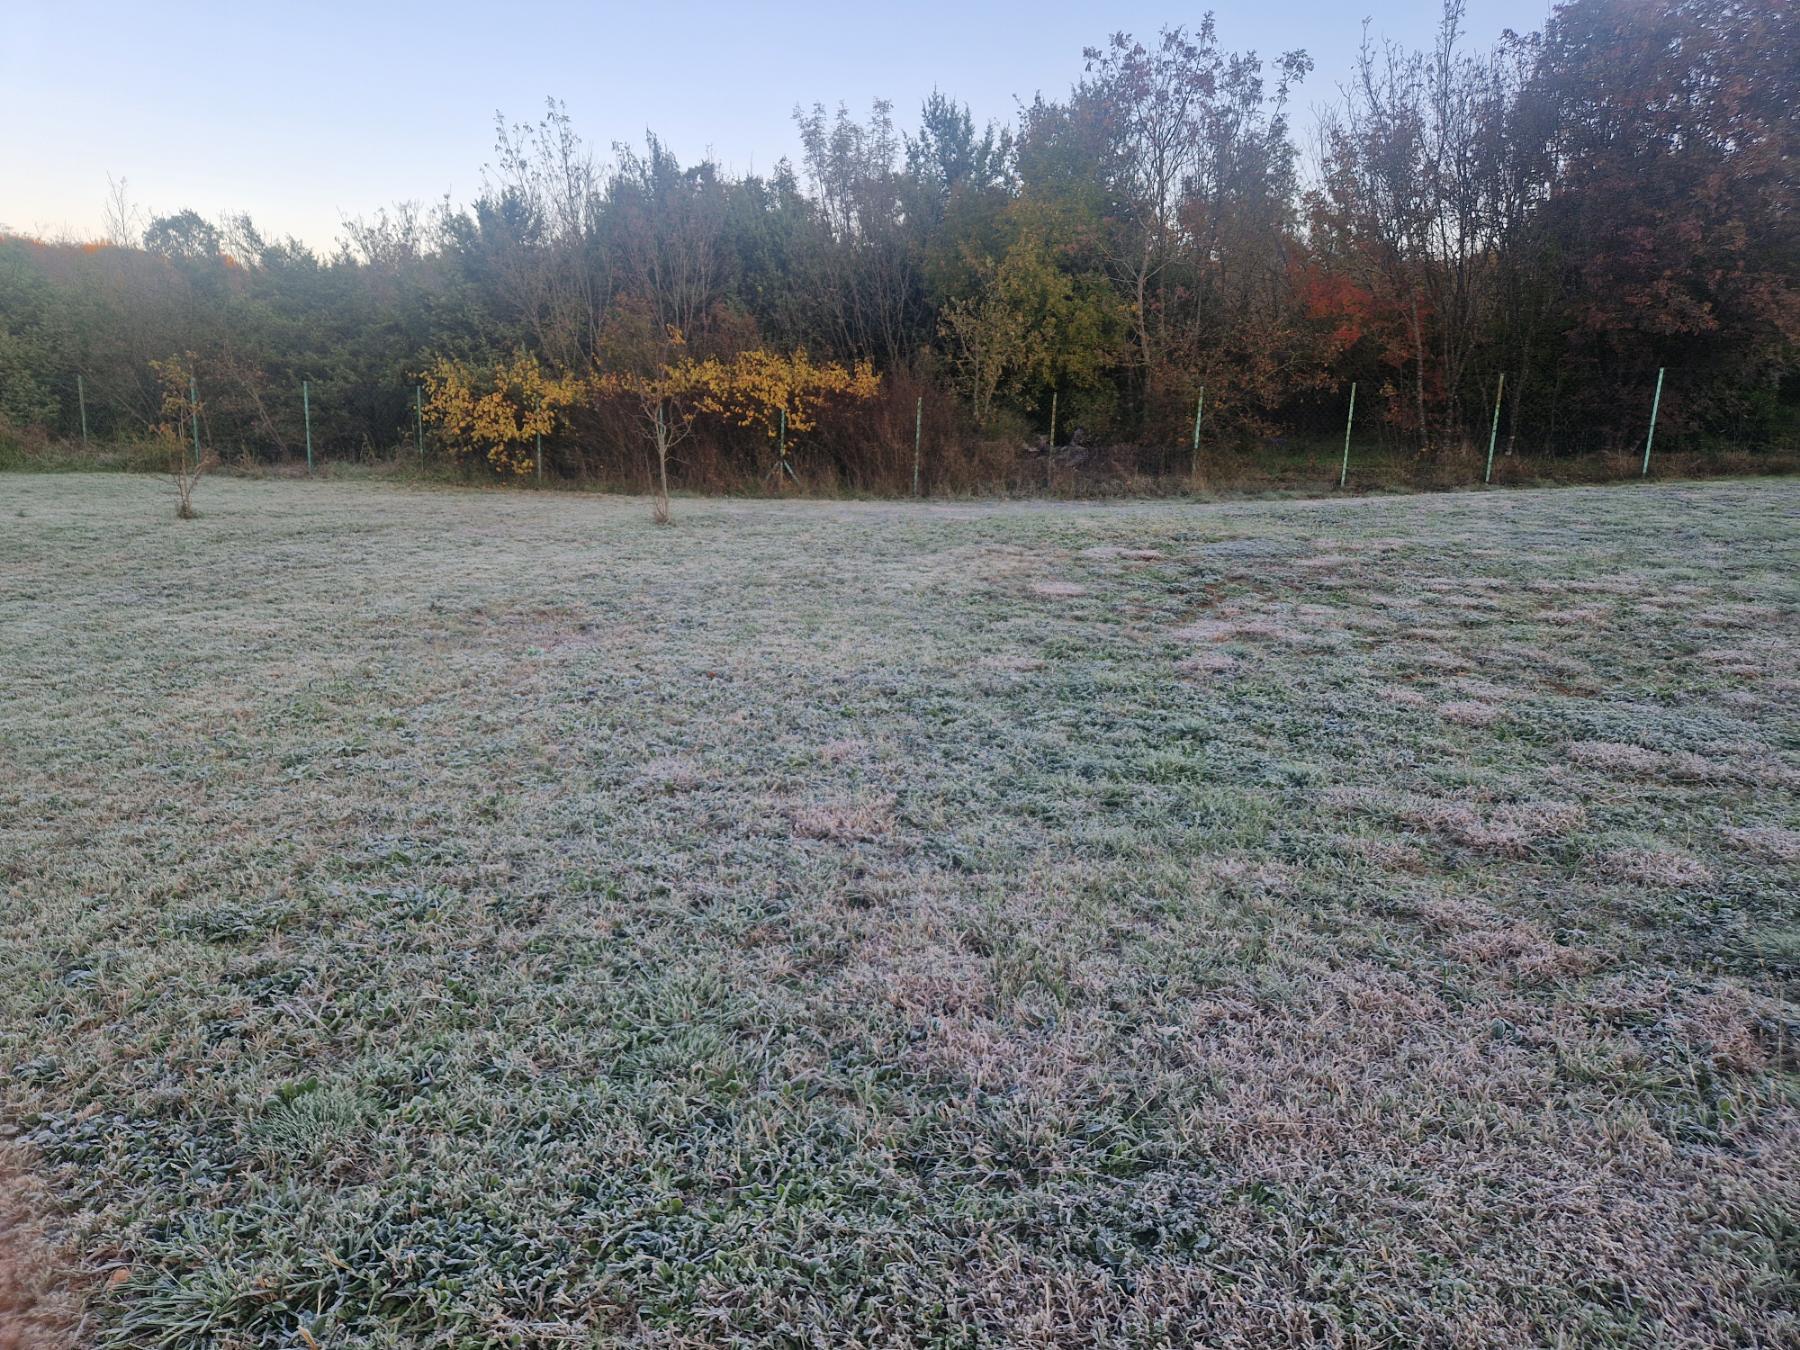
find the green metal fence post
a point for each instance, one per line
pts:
(194, 411)
(1349, 421)
(81, 400)
(918, 425)
(540, 448)
(1655, 407)
(1494, 430)
(419, 409)
(1053, 394)
(306, 413)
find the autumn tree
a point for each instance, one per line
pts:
(780, 395)
(1180, 150)
(1036, 325)
(499, 411)
(1673, 205)
(647, 365)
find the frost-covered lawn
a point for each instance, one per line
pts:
(432, 917)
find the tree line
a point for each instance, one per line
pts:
(1575, 208)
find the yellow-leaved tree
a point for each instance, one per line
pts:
(667, 399)
(783, 394)
(175, 377)
(498, 411)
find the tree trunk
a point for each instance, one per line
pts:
(661, 511)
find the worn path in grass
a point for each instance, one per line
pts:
(437, 917)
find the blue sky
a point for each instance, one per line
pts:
(303, 115)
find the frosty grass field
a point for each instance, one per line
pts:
(440, 917)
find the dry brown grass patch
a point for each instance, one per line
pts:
(1653, 867)
(34, 1301)
(1510, 829)
(1204, 630)
(1614, 757)
(1435, 658)
(1724, 1025)
(1278, 630)
(1635, 761)
(1521, 953)
(846, 821)
(1391, 855)
(1246, 876)
(1735, 616)
(1576, 616)
(1014, 662)
(1205, 663)
(1449, 914)
(1773, 842)
(1405, 696)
